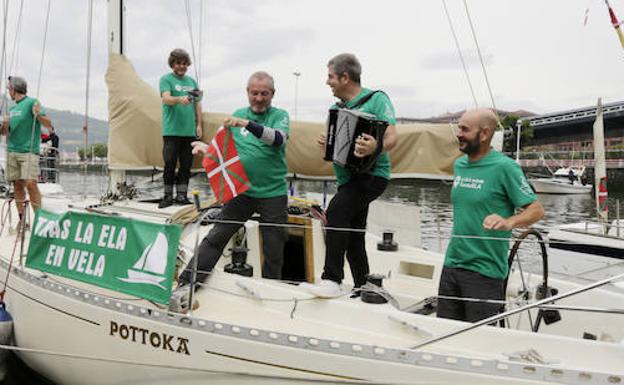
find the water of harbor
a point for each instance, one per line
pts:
(433, 198)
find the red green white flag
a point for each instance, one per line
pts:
(225, 170)
(616, 23)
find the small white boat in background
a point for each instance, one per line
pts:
(565, 180)
(590, 238)
(599, 237)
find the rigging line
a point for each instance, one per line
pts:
(18, 34)
(509, 313)
(43, 48)
(36, 117)
(189, 23)
(356, 230)
(199, 49)
(461, 56)
(487, 80)
(85, 127)
(3, 56)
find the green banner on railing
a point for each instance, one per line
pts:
(121, 254)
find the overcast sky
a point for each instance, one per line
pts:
(538, 54)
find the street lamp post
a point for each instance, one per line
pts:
(518, 130)
(297, 74)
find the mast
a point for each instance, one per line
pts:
(116, 45)
(600, 171)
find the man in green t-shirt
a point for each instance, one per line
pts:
(260, 133)
(487, 189)
(349, 207)
(23, 127)
(181, 124)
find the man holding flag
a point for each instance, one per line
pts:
(260, 132)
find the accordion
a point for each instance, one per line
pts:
(343, 127)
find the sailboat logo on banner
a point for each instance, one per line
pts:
(150, 268)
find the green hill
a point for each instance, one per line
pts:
(68, 127)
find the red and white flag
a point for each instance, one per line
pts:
(225, 170)
(615, 22)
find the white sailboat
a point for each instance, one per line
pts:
(251, 330)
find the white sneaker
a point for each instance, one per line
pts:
(325, 289)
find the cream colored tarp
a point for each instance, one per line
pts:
(135, 140)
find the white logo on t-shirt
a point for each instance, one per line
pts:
(178, 87)
(468, 182)
(525, 187)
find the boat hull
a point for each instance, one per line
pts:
(117, 342)
(581, 241)
(109, 346)
(554, 186)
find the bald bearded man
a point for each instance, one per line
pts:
(488, 187)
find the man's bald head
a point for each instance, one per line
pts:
(475, 131)
(483, 118)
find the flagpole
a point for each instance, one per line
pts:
(615, 22)
(600, 170)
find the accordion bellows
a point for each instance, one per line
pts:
(343, 127)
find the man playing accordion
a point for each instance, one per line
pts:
(347, 211)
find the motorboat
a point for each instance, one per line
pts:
(565, 180)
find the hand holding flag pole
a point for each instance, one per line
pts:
(226, 172)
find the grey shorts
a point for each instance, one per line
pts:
(19, 167)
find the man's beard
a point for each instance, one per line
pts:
(471, 147)
(260, 109)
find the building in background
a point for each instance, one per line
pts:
(572, 130)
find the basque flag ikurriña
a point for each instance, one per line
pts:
(225, 170)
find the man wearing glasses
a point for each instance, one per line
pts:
(181, 124)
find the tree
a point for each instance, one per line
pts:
(99, 150)
(509, 124)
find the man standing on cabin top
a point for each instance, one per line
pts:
(23, 127)
(260, 132)
(487, 188)
(181, 125)
(349, 207)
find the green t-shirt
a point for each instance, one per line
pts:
(265, 165)
(494, 184)
(380, 106)
(179, 119)
(21, 126)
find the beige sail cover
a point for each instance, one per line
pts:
(135, 119)
(135, 138)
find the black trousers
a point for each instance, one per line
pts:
(177, 149)
(239, 209)
(349, 209)
(456, 282)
